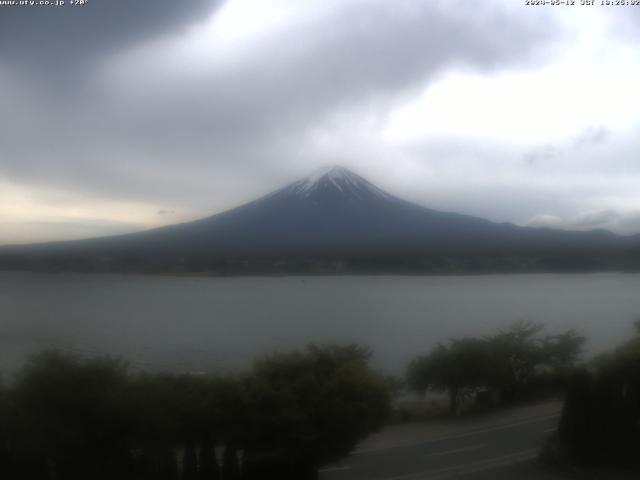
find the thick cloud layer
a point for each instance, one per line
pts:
(59, 41)
(152, 106)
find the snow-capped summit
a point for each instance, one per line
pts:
(335, 180)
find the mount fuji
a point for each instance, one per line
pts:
(335, 220)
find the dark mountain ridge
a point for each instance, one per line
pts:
(335, 220)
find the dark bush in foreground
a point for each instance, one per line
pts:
(601, 418)
(311, 408)
(67, 418)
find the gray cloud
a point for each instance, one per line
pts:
(592, 136)
(57, 42)
(543, 220)
(627, 221)
(229, 133)
(98, 103)
(624, 222)
(88, 108)
(596, 219)
(588, 137)
(543, 153)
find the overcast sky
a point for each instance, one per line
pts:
(127, 114)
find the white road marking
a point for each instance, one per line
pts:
(495, 428)
(472, 467)
(333, 469)
(457, 450)
(549, 430)
(470, 433)
(491, 465)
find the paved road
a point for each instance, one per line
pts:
(495, 451)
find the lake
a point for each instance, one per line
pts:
(202, 323)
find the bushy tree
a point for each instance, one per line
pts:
(562, 352)
(310, 408)
(69, 415)
(517, 352)
(507, 362)
(459, 369)
(520, 354)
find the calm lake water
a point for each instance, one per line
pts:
(193, 323)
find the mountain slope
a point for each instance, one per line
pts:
(331, 215)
